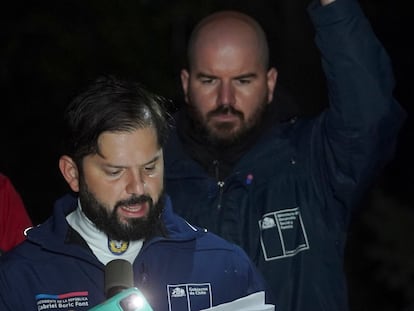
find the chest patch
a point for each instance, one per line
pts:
(183, 296)
(282, 234)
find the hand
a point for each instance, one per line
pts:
(326, 2)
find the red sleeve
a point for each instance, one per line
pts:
(13, 216)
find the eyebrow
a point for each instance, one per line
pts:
(204, 75)
(154, 159)
(246, 75)
(243, 76)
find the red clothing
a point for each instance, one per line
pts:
(13, 216)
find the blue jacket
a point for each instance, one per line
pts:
(289, 199)
(48, 273)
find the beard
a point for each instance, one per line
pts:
(225, 134)
(108, 222)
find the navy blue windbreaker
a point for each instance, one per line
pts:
(190, 270)
(289, 199)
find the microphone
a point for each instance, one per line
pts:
(118, 276)
(119, 289)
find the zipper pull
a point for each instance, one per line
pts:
(220, 184)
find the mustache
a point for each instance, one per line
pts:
(225, 109)
(134, 200)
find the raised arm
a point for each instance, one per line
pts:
(325, 2)
(358, 131)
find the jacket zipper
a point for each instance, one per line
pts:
(220, 183)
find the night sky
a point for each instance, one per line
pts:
(51, 49)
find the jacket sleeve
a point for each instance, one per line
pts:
(356, 135)
(7, 292)
(256, 281)
(2, 303)
(13, 216)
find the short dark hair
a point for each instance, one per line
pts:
(111, 104)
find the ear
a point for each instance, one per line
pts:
(70, 172)
(185, 77)
(271, 83)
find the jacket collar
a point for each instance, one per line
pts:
(55, 231)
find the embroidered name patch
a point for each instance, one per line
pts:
(62, 301)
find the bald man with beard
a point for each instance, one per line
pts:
(284, 189)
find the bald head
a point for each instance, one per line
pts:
(228, 30)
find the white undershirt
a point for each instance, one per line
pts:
(98, 241)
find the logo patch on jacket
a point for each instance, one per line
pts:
(183, 296)
(282, 234)
(117, 247)
(62, 301)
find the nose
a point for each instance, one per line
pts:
(226, 94)
(135, 184)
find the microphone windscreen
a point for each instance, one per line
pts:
(118, 276)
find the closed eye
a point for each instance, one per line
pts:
(150, 168)
(113, 173)
(207, 80)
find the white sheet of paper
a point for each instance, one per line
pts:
(253, 302)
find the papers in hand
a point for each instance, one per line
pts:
(253, 302)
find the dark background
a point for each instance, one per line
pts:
(51, 49)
